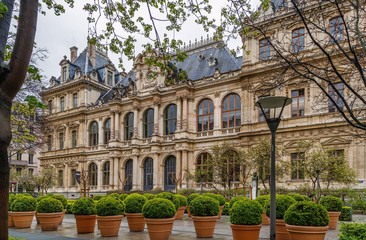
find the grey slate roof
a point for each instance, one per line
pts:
(277, 4)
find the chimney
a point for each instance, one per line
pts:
(92, 53)
(73, 53)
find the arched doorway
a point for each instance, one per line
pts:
(169, 173)
(148, 174)
(128, 175)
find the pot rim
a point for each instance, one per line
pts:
(325, 228)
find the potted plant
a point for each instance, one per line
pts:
(159, 217)
(115, 195)
(283, 202)
(123, 196)
(222, 202)
(263, 200)
(246, 219)
(334, 207)
(23, 210)
(170, 196)
(134, 203)
(84, 213)
(235, 199)
(49, 212)
(98, 197)
(110, 212)
(307, 220)
(225, 210)
(182, 206)
(149, 196)
(69, 206)
(63, 200)
(38, 199)
(189, 199)
(205, 211)
(298, 197)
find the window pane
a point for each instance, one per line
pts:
(200, 108)
(231, 119)
(224, 120)
(231, 101)
(238, 102)
(205, 107)
(268, 54)
(294, 45)
(205, 123)
(199, 124)
(301, 43)
(211, 106)
(238, 119)
(211, 122)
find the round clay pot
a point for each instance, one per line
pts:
(136, 222)
(221, 208)
(246, 231)
(189, 212)
(10, 220)
(62, 216)
(49, 221)
(281, 231)
(85, 223)
(23, 219)
(37, 218)
(159, 228)
(205, 226)
(265, 218)
(109, 225)
(333, 219)
(307, 233)
(180, 213)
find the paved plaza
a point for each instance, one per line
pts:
(182, 230)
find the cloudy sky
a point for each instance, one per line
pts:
(58, 33)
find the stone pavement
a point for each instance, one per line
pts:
(182, 230)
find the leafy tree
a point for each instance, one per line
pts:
(46, 179)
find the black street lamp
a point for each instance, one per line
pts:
(275, 106)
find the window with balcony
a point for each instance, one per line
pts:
(129, 126)
(264, 49)
(170, 119)
(61, 140)
(231, 111)
(298, 103)
(335, 93)
(75, 100)
(336, 27)
(30, 158)
(93, 134)
(107, 131)
(74, 138)
(148, 123)
(297, 166)
(205, 115)
(298, 40)
(62, 104)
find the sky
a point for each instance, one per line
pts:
(58, 33)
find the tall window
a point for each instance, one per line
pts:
(107, 131)
(129, 174)
(298, 40)
(50, 106)
(64, 72)
(336, 29)
(62, 103)
(170, 119)
(30, 171)
(338, 156)
(266, 110)
(60, 178)
(148, 174)
(203, 168)
(336, 97)
(61, 140)
(74, 138)
(106, 173)
(19, 156)
(264, 49)
(231, 169)
(231, 111)
(129, 126)
(73, 177)
(297, 165)
(205, 116)
(148, 123)
(30, 158)
(93, 134)
(19, 170)
(298, 103)
(93, 174)
(49, 143)
(109, 78)
(75, 100)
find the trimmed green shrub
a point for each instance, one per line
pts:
(352, 231)
(27, 194)
(234, 199)
(149, 196)
(83, 206)
(50, 194)
(191, 197)
(98, 197)
(11, 200)
(263, 200)
(69, 206)
(225, 210)
(186, 192)
(171, 197)
(332, 204)
(247, 212)
(297, 197)
(204, 206)
(221, 199)
(49, 205)
(214, 196)
(283, 202)
(159, 208)
(14, 238)
(62, 199)
(24, 204)
(41, 197)
(20, 195)
(182, 200)
(134, 203)
(306, 213)
(123, 196)
(346, 214)
(306, 198)
(115, 195)
(110, 206)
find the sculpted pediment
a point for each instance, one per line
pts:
(336, 141)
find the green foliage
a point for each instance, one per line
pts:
(97, 197)
(11, 200)
(346, 214)
(50, 194)
(41, 197)
(225, 210)
(235, 199)
(158, 208)
(263, 200)
(110, 206)
(3, 9)
(305, 213)
(62, 199)
(49, 205)
(115, 195)
(186, 192)
(149, 196)
(332, 204)
(204, 206)
(14, 238)
(297, 197)
(69, 206)
(27, 194)
(352, 231)
(214, 196)
(123, 196)
(171, 197)
(191, 197)
(83, 206)
(24, 204)
(134, 203)
(182, 200)
(247, 212)
(283, 202)
(221, 199)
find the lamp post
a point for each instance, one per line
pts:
(275, 105)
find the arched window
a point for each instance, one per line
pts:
(129, 126)
(170, 119)
(93, 174)
(204, 170)
(107, 131)
(129, 174)
(205, 115)
(93, 134)
(148, 173)
(231, 168)
(169, 173)
(106, 173)
(231, 111)
(148, 123)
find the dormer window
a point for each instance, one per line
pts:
(212, 61)
(110, 78)
(64, 74)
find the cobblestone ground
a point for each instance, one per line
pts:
(182, 230)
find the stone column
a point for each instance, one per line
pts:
(179, 114)
(66, 177)
(158, 182)
(217, 111)
(112, 125)
(178, 164)
(184, 166)
(115, 172)
(137, 174)
(67, 135)
(100, 132)
(135, 121)
(157, 102)
(116, 124)
(111, 167)
(100, 172)
(185, 113)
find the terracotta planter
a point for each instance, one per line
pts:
(85, 223)
(189, 212)
(265, 220)
(62, 216)
(136, 222)
(159, 228)
(281, 231)
(109, 225)
(23, 219)
(10, 220)
(250, 232)
(221, 208)
(49, 221)
(180, 213)
(307, 233)
(205, 226)
(333, 219)
(37, 218)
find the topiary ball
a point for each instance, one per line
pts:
(182, 200)
(158, 208)
(247, 212)
(225, 210)
(283, 202)
(171, 197)
(27, 194)
(11, 200)
(263, 200)
(123, 196)
(41, 197)
(110, 206)
(297, 197)
(50, 194)
(305, 213)
(204, 206)
(83, 206)
(149, 196)
(134, 203)
(214, 196)
(69, 206)
(49, 205)
(24, 204)
(62, 199)
(115, 195)
(332, 204)
(191, 197)
(235, 199)
(97, 197)
(222, 199)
